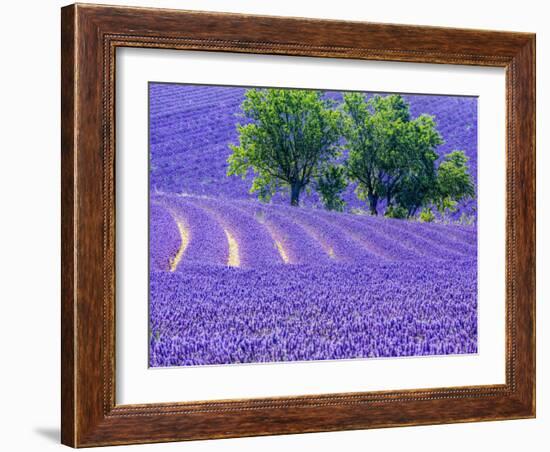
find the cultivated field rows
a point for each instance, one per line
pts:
(248, 234)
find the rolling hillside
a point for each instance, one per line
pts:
(191, 127)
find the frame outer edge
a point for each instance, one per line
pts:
(86, 419)
(68, 242)
(526, 224)
(534, 225)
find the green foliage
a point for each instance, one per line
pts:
(453, 183)
(330, 185)
(289, 138)
(416, 185)
(427, 216)
(396, 212)
(363, 162)
(390, 155)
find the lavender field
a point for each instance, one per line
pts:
(236, 280)
(191, 126)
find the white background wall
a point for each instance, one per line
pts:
(29, 225)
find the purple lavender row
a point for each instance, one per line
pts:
(207, 243)
(434, 234)
(169, 98)
(293, 313)
(444, 235)
(164, 238)
(192, 122)
(215, 103)
(195, 93)
(382, 236)
(447, 236)
(190, 129)
(253, 242)
(186, 106)
(280, 234)
(297, 242)
(397, 230)
(408, 237)
(340, 246)
(467, 234)
(380, 241)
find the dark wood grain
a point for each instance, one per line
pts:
(90, 36)
(68, 311)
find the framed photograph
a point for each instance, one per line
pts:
(280, 225)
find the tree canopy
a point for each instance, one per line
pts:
(390, 155)
(289, 136)
(330, 185)
(453, 183)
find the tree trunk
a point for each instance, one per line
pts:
(295, 194)
(413, 210)
(373, 204)
(389, 197)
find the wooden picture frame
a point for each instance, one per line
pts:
(90, 35)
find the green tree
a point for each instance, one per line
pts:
(288, 139)
(417, 183)
(398, 212)
(390, 155)
(453, 183)
(330, 185)
(363, 163)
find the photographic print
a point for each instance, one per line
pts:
(296, 224)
